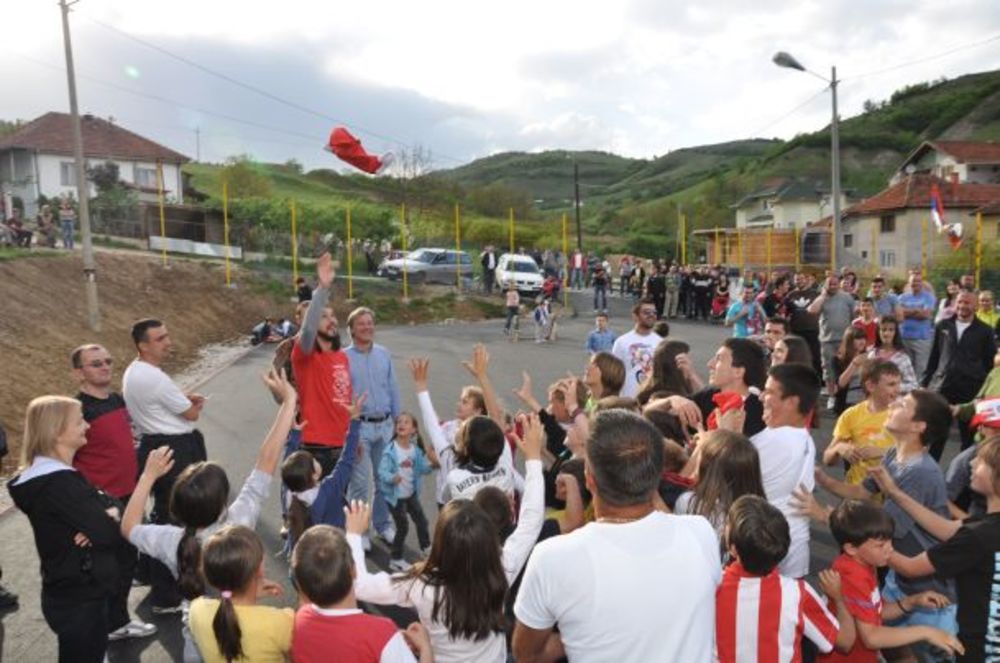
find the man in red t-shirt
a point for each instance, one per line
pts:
(109, 462)
(322, 375)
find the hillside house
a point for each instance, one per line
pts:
(962, 161)
(784, 203)
(37, 159)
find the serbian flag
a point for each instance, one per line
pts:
(954, 230)
(349, 149)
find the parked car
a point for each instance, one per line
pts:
(522, 270)
(429, 266)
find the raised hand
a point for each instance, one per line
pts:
(277, 383)
(732, 420)
(159, 462)
(357, 515)
(530, 441)
(417, 638)
(419, 369)
(480, 361)
(523, 392)
(886, 484)
(325, 271)
(357, 405)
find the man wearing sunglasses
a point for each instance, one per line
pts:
(109, 462)
(635, 349)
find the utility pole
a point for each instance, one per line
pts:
(89, 267)
(837, 258)
(197, 144)
(576, 189)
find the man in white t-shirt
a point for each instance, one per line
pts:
(162, 415)
(636, 584)
(788, 454)
(635, 349)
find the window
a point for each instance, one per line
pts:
(887, 223)
(67, 173)
(848, 241)
(864, 255)
(145, 177)
(887, 258)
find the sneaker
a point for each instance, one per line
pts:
(7, 599)
(366, 543)
(167, 609)
(388, 534)
(134, 629)
(831, 403)
(398, 565)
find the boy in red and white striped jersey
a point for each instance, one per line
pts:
(761, 615)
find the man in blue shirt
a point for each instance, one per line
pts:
(600, 339)
(917, 327)
(372, 374)
(886, 303)
(741, 312)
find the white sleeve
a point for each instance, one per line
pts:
(507, 458)
(529, 523)
(431, 423)
(245, 509)
(375, 587)
(396, 651)
(158, 541)
(171, 396)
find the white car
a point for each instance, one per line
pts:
(522, 271)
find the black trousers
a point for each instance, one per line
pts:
(188, 449)
(408, 505)
(127, 557)
(327, 457)
(80, 626)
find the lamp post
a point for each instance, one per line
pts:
(783, 59)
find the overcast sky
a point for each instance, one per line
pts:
(468, 79)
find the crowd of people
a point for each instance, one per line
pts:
(48, 227)
(640, 511)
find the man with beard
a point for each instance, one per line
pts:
(635, 349)
(323, 375)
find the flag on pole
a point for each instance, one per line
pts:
(348, 148)
(954, 230)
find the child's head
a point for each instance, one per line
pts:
(863, 530)
(729, 468)
(986, 468)
(300, 472)
(470, 403)
(496, 504)
(465, 565)
(604, 375)
(757, 534)
(481, 442)
(674, 456)
(322, 566)
(232, 559)
(601, 320)
(920, 413)
(197, 500)
(407, 427)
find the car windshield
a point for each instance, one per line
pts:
(422, 255)
(524, 266)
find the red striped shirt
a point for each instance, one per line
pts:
(761, 619)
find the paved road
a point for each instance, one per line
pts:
(240, 412)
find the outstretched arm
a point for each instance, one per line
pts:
(270, 450)
(158, 463)
(936, 525)
(479, 366)
(310, 324)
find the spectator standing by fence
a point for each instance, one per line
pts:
(67, 222)
(917, 330)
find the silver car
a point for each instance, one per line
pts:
(429, 266)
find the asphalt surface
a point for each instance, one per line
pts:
(240, 412)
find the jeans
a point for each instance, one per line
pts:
(80, 626)
(409, 505)
(67, 233)
(374, 437)
(512, 318)
(600, 294)
(919, 350)
(576, 280)
(127, 557)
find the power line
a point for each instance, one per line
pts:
(928, 58)
(797, 108)
(255, 89)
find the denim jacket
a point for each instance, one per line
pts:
(388, 468)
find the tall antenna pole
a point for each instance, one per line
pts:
(89, 267)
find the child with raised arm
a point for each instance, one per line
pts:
(968, 552)
(329, 625)
(458, 591)
(762, 614)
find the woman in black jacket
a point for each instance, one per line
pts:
(75, 528)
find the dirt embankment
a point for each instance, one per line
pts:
(43, 317)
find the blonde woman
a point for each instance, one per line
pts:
(75, 527)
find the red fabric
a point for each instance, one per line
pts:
(724, 402)
(861, 595)
(677, 480)
(324, 383)
(349, 149)
(357, 638)
(870, 329)
(108, 460)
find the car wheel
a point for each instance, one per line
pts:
(419, 278)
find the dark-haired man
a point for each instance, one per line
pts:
(162, 415)
(801, 321)
(961, 357)
(635, 349)
(788, 454)
(606, 586)
(738, 366)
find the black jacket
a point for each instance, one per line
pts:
(752, 405)
(957, 368)
(60, 505)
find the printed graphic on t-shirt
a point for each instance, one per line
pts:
(342, 383)
(640, 357)
(993, 615)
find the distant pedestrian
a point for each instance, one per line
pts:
(67, 222)
(488, 261)
(303, 290)
(600, 338)
(600, 280)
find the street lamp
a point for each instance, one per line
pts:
(783, 59)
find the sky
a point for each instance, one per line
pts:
(463, 80)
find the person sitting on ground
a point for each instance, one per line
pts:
(458, 591)
(758, 612)
(233, 626)
(329, 620)
(46, 225)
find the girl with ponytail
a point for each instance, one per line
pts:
(233, 626)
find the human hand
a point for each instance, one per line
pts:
(325, 271)
(269, 588)
(928, 599)
(870, 452)
(357, 405)
(732, 420)
(943, 640)
(80, 540)
(277, 383)
(886, 484)
(480, 362)
(850, 453)
(530, 441)
(417, 638)
(159, 462)
(805, 503)
(523, 392)
(569, 388)
(419, 368)
(829, 582)
(357, 515)
(568, 483)
(683, 362)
